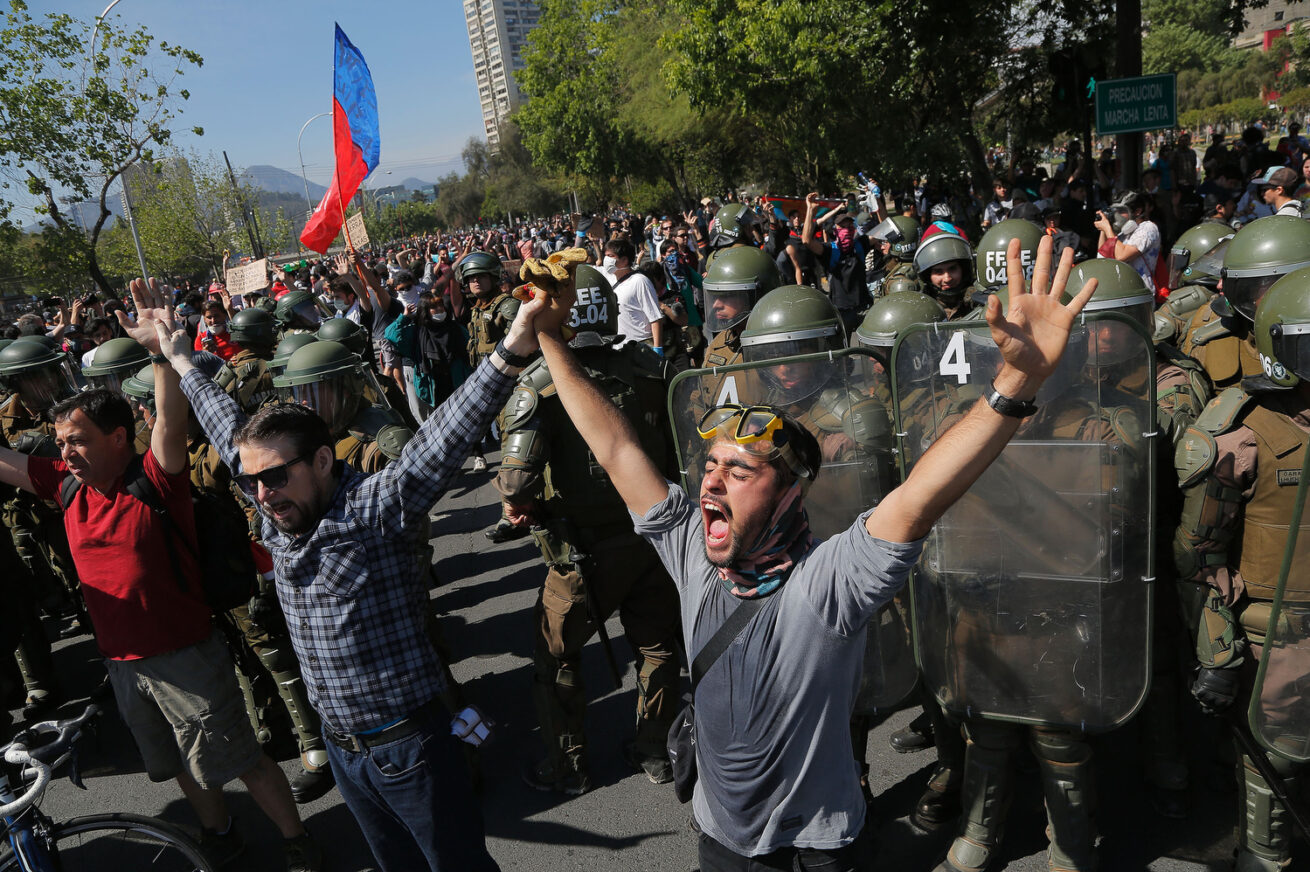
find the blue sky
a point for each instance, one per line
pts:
(268, 68)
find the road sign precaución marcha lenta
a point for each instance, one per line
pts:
(1137, 104)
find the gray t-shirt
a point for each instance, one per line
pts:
(773, 714)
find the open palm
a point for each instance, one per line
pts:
(1033, 333)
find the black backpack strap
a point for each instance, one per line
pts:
(138, 485)
(728, 631)
(68, 489)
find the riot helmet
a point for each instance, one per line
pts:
(1205, 269)
(327, 378)
(732, 225)
(735, 282)
(1118, 289)
(894, 314)
(901, 233)
(114, 361)
(1282, 329)
(1190, 247)
(789, 321)
(479, 263)
(290, 344)
(41, 376)
(596, 308)
(139, 388)
(940, 246)
(296, 310)
(345, 331)
(1261, 253)
(254, 330)
(995, 243)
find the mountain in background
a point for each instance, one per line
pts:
(279, 181)
(413, 184)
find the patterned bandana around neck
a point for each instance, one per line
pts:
(766, 566)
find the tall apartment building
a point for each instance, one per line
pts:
(498, 32)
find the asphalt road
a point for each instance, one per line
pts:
(626, 823)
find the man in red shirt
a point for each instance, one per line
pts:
(213, 338)
(172, 676)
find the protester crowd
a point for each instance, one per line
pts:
(231, 492)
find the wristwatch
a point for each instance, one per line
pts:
(1009, 406)
(511, 358)
(158, 358)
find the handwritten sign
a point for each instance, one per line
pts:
(355, 230)
(247, 279)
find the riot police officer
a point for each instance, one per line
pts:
(736, 282)
(1218, 335)
(492, 312)
(246, 377)
(1239, 466)
(38, 376)
(112, 364)
(289, 345)
(334, 383)
(297, 312)
(991, 253)
(898, 238)
(1195, 282)
(348, 333)
(944, 261)
(596, 563)
(734, 226)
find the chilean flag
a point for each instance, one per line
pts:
(355, 138)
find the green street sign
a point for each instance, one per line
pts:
(1137, 104)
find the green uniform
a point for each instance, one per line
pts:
(247, 379)
(488, 325)
(582, 529)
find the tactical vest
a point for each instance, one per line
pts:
(27, 434)
(724, 349)
(488, 326)
(1280, 447)
(247, 379)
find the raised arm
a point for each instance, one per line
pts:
(807, 233)
(1031, 337)
(608, 433)
(154, 324)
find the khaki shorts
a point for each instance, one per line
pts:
(186, 713)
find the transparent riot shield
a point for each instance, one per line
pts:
(1280, 702)
(1032, 599)
(844, 399)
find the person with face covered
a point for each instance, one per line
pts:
(843, 258)
(773, 720)
(437, 344)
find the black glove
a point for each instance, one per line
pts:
(1216, 689)
(266, 613)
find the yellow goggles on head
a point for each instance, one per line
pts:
(742, 424)
(747, 426)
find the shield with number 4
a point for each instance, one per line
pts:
(843, 398)
(1280, 703)
(1032, 597)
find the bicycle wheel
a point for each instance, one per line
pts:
(120, 841)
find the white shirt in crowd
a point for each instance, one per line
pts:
(639, 307)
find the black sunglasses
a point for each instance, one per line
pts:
(273, 478)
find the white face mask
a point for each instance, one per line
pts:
(609, 262)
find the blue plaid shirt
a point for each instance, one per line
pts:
(352, 591)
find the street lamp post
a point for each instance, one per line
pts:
(304, 178)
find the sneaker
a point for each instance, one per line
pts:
(309, 784)
(547, 778)
(657, 768)
(479, 464)
(303, 854)
(222, 849)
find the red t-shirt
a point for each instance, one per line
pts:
(134, 599)
(223, 346)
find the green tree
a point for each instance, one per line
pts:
(69, 126)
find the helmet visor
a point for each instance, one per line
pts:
(1206, 269)
(725, 308)
(1245, 292)
(39, 389)
(1178, 258)
(332, 398)
(306, 315)
(1290, 344)
(1110, 343)
(112, 381)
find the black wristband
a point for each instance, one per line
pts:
(511, 358)
(159, 358)
(1009, 406)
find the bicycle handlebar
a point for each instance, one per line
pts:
(43, 759)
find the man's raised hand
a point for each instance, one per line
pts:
(1033, 334)
(153, 302)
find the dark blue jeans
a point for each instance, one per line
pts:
(414, 801)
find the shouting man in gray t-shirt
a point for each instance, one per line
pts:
(773, 713)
